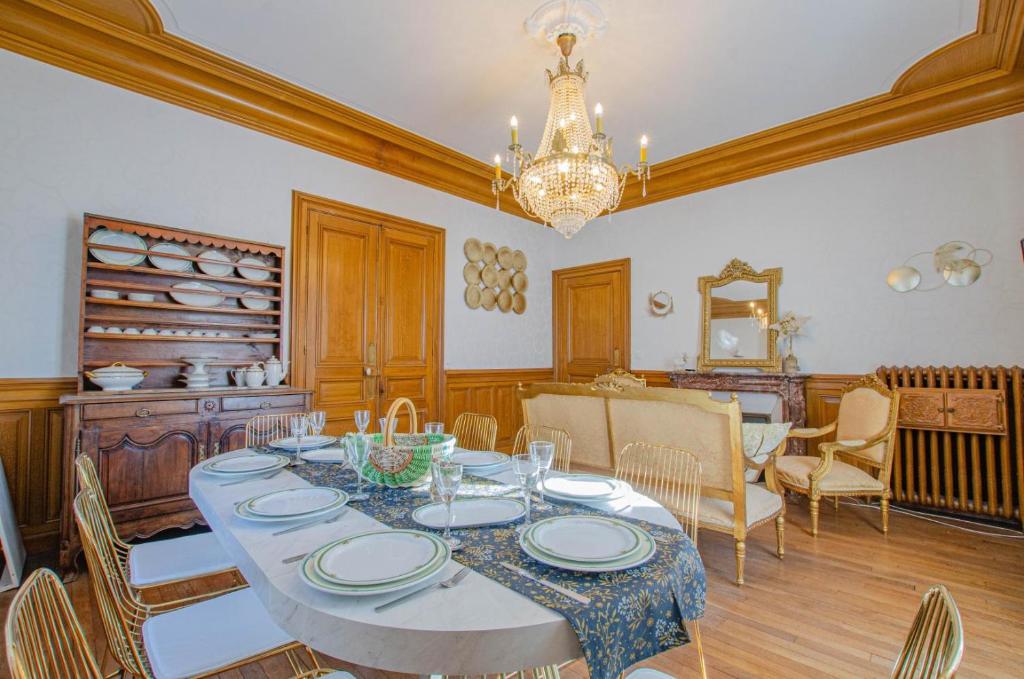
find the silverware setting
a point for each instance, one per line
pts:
(444, 584)
(308, 524)
(297, 557)
(564, 591)
(252, 478)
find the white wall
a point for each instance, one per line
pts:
(70, 145)
(836, 228)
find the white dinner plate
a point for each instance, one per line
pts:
(295, 502)
(471, 512)
(331, 455)
(585, 538)
(478, 458)
(380, 557)
(215, 263)
(243, 513)
(252, 463)
(194, 293)
(291, 443)
(119, 239)
(252, 274)
(257, 301)
(645, 549)
(169, 263)
(309, 575)
(586, 487)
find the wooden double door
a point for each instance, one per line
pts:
(368, 316)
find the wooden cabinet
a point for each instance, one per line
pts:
(144, 443)
(979, 411)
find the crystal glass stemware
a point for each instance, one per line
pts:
(362, 420)
(357, 449)
(448, 478)
(525, 468)
(543, 452)
(382, 421)
(299, 425)
(433, 428)
(317, 421)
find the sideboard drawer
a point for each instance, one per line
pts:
(142, 410)
(295, 401)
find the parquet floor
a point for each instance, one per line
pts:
(837, 606)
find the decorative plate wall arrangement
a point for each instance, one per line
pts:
(495, 277)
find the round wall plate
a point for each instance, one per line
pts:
(505, 301)
(490, 253)
(473, 250)
(520, 282)
(471, 273)
(489, 275)
(519, 260)
(473, 296)
(488, 299)
(519, 303)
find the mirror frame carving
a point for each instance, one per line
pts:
(738, 270)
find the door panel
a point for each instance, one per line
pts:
(591, 320)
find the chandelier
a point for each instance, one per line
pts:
(572, 178)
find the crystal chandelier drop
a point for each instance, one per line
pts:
(572, 178)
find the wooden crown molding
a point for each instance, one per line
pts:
(123, 42)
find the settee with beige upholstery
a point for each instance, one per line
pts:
(603, 418)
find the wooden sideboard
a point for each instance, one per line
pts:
(144, 443)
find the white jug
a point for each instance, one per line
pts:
(276, 370)
(254, 375)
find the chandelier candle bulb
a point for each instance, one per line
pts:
(643, 149)
(599, 118)
(497, 167)
(515, 131)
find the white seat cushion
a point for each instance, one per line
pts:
(150, 563)
(206, 636)
(761, 504)
(648, 673)
(793, 470)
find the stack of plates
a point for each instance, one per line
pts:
(241, 465)
(292, 504)
(585, 488)
(478, 460)
(471, 512)
(308, 442)
(375, 562)
(591, 544)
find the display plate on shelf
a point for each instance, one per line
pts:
(192, 294)
(254, 300)
(118, 239)
(252, 274)
(170, 263)
(215, 263)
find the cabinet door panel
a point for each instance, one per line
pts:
(976, 410)
(146, 464)
(922, 409)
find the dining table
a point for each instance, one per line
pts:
(479, 626)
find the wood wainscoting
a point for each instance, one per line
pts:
(491, 392)
(31, 441)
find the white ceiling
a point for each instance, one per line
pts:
(689, 73)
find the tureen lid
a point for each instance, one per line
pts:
(118, 368)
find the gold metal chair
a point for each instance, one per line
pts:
(935, 644)
(866, 433)
(157, 564)
(262, 429)
(473, 431)
(44, 638)
(145, 639)
(539, 432)
(672, 477)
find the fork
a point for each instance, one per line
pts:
(309, 524)
(252, 478)
(444, 584)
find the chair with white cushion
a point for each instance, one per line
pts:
(193, 637)
(161, 562)
(474, 431)
(262, 429)
(860, 460)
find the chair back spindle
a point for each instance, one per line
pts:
(539, 432)
(262, 429)
(474, 431)
(935, 644)
(669, 475)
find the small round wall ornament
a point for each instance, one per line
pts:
(473, 295)
(505, 301)
(473, 250)
(490, 253)
(660, 303)
(488, 299)
(520, 282)
(471, 273)
(519, 260)
(489, 276)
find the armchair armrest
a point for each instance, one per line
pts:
(854, 448)
(811, 432)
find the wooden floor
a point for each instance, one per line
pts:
(837, 606)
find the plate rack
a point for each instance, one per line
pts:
(229, 332)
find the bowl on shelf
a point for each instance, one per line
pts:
(114, 330)
(102, 293)
(149, 331)
(132, 331)
(141, 296)
(166, 333)
(116, 377)
(96, 329)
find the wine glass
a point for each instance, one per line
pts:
(433, 428)
(383, 423)
(357, 449)
(298, 424)
(525, 469)
(317, 421)
(362, 420)
(448, 477)
(543, 452)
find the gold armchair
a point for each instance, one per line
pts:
(858, 463)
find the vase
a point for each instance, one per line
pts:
(790, 364)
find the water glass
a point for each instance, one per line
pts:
(383, 423)
(433, 428)
(357, 449)
(448, 477)
(299, 425)
(317, 421)
(525, 468)
(543, 452)
(362, 420)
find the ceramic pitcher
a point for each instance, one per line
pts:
(276, 371)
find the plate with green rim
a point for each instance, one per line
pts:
(587, 539)
(240, 465)
(293, 503)
(379, 558)
(646, 549)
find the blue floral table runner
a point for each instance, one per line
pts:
(632, 615)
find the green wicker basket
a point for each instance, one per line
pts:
(403, 460)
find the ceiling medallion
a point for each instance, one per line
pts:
(572, 178)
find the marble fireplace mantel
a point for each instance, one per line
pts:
(789, 387)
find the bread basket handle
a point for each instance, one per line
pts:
(393, 413)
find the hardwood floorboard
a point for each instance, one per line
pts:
(839, 605)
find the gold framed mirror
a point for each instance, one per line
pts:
(737, 307)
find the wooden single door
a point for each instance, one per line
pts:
(367, 321)
(591, 320)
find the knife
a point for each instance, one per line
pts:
(252, 478)
(547, 583)
(451, 582)
(314, 522)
